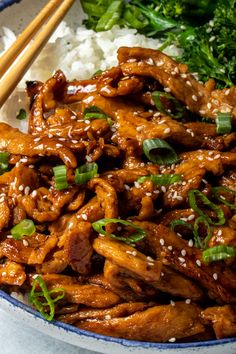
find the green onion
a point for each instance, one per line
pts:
(223, 123)
(218, 253)
(85, 172)
(34, 298)
(179, 222)
(193, 194)
(95, 112)
(157, 97)
(159, 151)
(135, 237)
(162, 180)
(25, 228)
(217, 191)
(4, 158)
(97, 73)
(60, 177)
(21, 114)
(111, 16)
(198, 242)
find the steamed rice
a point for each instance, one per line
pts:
(78, 53)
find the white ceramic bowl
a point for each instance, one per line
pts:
(15, 17)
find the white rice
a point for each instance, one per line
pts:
(78, 53)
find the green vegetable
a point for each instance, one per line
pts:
(21, 114)
(36, 298)
(4, 166)
(174, 223)
(85, 172)
(223, 123)
(94, 112)
(111, 16)
(162, 180)
(221, 193)
(192, 197)
(135, 237)
(218, 253)
(197, 238)
(159, 151)
(176, 112)
(25, 228)
(60, 177)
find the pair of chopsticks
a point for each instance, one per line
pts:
(11, 69)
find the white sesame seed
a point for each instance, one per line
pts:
(150, 259)
(162, 241)
(126, 187)
(84, 216)
(198, 262)
(227, 92)
(219, 233)
(4, 274)
(163, 189)
(190, 243)
(137, 184)
(35, 276)
(167, 89)
(172, 340)
(215, 276)
(188, 83)
(217, 156)
(25, 242)
(21, 187)
(194, 97)
(107, 317)
(139, 129)
(183, 252)
(148, 194)
(87, 121)
(188, 301)
(167, 131)
(159, 63)
(191, 217)
(27, 190)
(178, 197)
(184, 76)
(172, 303)
(41, 146)
(170, 248)
(88, 158)
(209, 105)
(181, 259)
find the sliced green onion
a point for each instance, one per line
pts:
(162, 180)
(217, 191)
(193, 194)
(97, 73)
(159, 151)
(223, 123)
(35, 298)
(25, 228)
(95, 112)
(198, 242)
(218, 253)
(4, 158)
(60, 177)
(158, 96)
(21, 114)
(135, 237)
(85, 172)
(174, 223)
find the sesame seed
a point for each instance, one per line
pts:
(172, 340)
(181, 259)
(172, 303)
(21, 187)
(89, 158)
(107, 317)
(163, 189)
(35, 276)
(27, 190)
(183, 252)
(139, 129)
(126, 187)
(178, 197)
(188, 301)
(148, 194)
(188, 83)
(198, 262)
(162, 241)
(150, 264)
(194, 97)
(170, 248)
(227, 92)
(136, 184)
(50, 135)
(84, 216)
(159, 63)
(219, 233)
(209, 105)
(167, 131)
(87, 121)
(217, 156)
(184, 76)
(191, 217)
(4, 274)
(190, 243)
(25, 243)
(167, 89)
(215, 276)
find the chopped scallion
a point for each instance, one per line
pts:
(197, 238)
(60, 177)
(36, 298)
(175, 223)
(218, 253)
(192, 197)
(159, 96)
(85, 172)
(135, 237)
(159, 151)
(21, 114)
(4, 158)
(221, 192)
(162, 180)
(25, 228)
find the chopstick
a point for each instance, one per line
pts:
(23, 39)
(18, 69)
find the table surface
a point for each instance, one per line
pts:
(18, 339)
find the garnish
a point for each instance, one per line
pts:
(160, 98)
(218, 253)
(199, 243)
(85, 172)
(175, 223)
(4, 158)
(41, 305)
(159, 151)
(60, 177)
(25, 228)
(94, 112)
(192, 197)
(162, 180)
(21, 114)
(223, 123)
(135, 237)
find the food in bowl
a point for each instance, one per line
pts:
(118, 205)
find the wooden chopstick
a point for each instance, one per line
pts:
(23, 39)
(17, 71)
